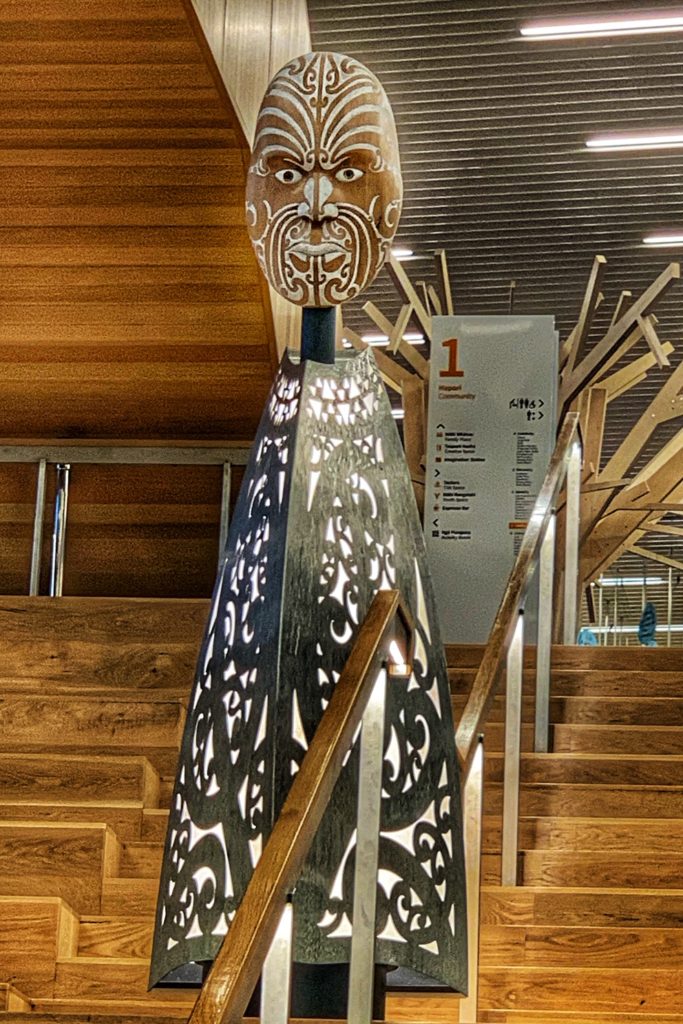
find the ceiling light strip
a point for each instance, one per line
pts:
(662, 241)
(612, 143)
(627, 24)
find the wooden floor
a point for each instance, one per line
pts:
(92, 699)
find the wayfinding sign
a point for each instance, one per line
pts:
(491, 432)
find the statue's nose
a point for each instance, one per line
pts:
(317, 191)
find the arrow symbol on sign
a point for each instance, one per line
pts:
(441, 426)
(437, 473)
(435, 522)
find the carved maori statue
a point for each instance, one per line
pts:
(326, 517)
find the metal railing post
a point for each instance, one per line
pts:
(59, 530)
(225, 511)
(362, 967)
(571, 562)
(546, 576)
(276, 979)
(38, 519)
(513, 749)
(472, 814)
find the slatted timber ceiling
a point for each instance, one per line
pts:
(492, 131)
(131, 306)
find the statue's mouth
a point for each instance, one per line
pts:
(309, 249)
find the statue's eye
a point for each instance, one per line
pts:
(289, 175)
(349, 174)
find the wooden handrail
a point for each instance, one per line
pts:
(235, 971)
(486, 680)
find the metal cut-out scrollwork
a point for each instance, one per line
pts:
(326, 517)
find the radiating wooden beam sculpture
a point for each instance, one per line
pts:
(617, 506)
(585, 372)
(588, 307)
(625, 520)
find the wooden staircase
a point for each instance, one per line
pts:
(92, 699)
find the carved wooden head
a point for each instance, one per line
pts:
(324, 187)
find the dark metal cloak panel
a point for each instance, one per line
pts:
(326, 517)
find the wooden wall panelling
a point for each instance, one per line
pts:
(131, 305)
(250, 42)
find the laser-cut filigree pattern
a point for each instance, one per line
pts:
(351, 528)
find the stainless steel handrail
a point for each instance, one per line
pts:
(506, 643)
(64, 455)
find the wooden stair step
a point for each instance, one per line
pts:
(572, 868)
(12, 1000)
(570, 1017)
(40, 723)
(110, 936)
(154, 825)
(99, 643)
(141, 860)
(594, 710)
(582, 683)
(130, 897)
(601, 834)
(569, 800)
(163, 760)
(573, 657)
(156, 1015)
(103, 619)
(427, 1008)
(611, 739)
(123, 817)
(115, 978)
(62, 777)
(537, 946)
(50, 859)
(35, 931)
(115, 1011)
(613, 990)
(568, 906)
(607, 870)
(598, 769)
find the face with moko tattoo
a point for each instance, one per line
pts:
(324, 187)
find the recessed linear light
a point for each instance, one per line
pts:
(400, 252)
(618, 25)
(664, 240)
(398, 414)
(611, 143)
(412, 337)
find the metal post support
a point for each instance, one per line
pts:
(225, 511)
(276, 979)
(513, 749)
(39, 516)
(59, 530)
(615, 616)
(362, 968)
(571, 561)
(472, 817)
(546, 575)
(601, 635)
(669, 606)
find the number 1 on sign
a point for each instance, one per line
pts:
(452, 369)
